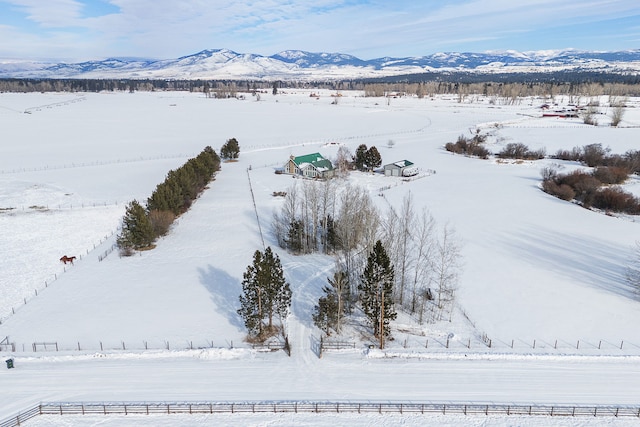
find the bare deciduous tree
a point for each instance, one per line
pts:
(617, 110)
(446, 264)
(343, 160)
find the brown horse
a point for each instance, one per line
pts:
(65, 259)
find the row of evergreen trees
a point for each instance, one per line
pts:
(141, 226)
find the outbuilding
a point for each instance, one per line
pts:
(400, 168)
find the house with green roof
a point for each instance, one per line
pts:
(310, 166)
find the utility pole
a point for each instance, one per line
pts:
(381, 329)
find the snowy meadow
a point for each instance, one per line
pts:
(543, 279)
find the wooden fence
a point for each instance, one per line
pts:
(470, 409)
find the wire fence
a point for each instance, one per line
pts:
(96, 163)
(407, 347)
(467, 409)
(114, 345)
(51, 279)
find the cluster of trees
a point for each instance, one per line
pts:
(343, 221)
(230, 150)
(474, 147)
(367, 159)
(588, 188)
(141, 226)
(322, 216)
(469, 146)
(375, 294)
(594, 155)
(518, 150)
(415, 270)
(266, 296)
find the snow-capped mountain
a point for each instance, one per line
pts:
(296, 64)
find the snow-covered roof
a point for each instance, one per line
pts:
(401, 164)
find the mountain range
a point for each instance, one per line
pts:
(302, 65)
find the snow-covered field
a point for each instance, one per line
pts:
(544, 279)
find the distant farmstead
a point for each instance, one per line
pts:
(310, 166)
(400, 168)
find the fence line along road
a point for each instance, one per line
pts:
(470, 409)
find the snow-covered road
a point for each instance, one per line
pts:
(204, 375)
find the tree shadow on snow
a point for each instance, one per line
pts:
(225, 291)
(586, 260)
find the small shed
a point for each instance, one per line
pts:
(399, 168)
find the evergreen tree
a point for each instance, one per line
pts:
(324, 313)
(266, 294)
(332, 236)
(251, 301)
(137, 229)
(360, 158)
(376, 291)
(331, 307)
(278, 292)
(372, 158)
(230, 149)
(296, 236)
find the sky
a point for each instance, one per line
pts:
(76, 30)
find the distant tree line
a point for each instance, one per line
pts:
(505, 86)
(141, 225)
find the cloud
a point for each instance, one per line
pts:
(367, 28)
(50, 13)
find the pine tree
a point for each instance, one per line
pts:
(372, 158)
(266, 294)
(331, 307)
(230, 149)
(137, 229)
(296, 236)
(251, 301)
(278, 292)
(360, 158)
(376, 292)
(324, 313)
